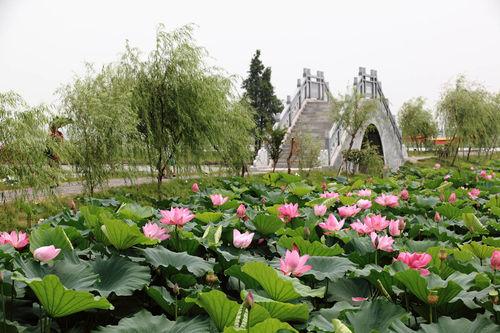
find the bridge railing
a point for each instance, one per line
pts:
(308, 87)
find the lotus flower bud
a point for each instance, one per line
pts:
(324, 187)
(441, 197)
(443, 255)
(437, 217)
(211, 278)
(493, 294)
(261, 241)
(175, 289)
(433, 297)
(248, 303)
(283, 188)
(263, 200)
(72, 206)
(402, 224)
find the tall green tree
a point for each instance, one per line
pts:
(469, 116)
(260, 92)
(103, 132)
(25, 143)
(185, 107)
(416, 122)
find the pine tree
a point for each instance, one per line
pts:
(260, 93)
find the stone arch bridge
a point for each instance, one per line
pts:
(308, 112)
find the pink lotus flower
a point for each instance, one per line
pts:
(46, 253)
(387, 200)
(241, 212)
(474, 193)
(329, 195)
(394, 228)
(452, 198)
(359, 299)
(242, 240)
(437, 217)
(154, 231)
(294, 264)
(365, 193)
(348, 211)
(176, 216)
(364, 204)
(495, 260)
(437, 166)
(320, 210)
(195, 188)
(218, 200)
(375, 222)
(404, 194)
(360, 228)
(18, 240)
(416, 261)
(288, 211)
(332, 224)
(446, 177)
(383, 243)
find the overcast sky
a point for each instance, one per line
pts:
(416, 46)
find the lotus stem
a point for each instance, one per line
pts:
(376, 257)
(3, 307)
(176, 307)
(494, 276)
(430, 313)
(12, 289)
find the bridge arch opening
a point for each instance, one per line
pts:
(372, 138)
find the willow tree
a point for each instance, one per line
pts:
(352, 111)
(468, 114)
(416, 121)
(25, 143)
(103, 132)
(185, 107)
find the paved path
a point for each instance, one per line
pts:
(70, 188)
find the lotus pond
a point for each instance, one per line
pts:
(415, 252)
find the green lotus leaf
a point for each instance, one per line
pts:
(122, 235)
(221, 310)
(45, 235)
(144, 321)
(329, 267)
(473, 224)
(281, 310)
(377, 315)
(345, 289)
(481, 251)
(160, 256)
(135, 211)
(278, 286)
(419, 286)
(311, 248)
(163, 298)
(270, 325)
(446, 325)
(58, 301)
(119, 275)
(209, 217)
(267, 224)
(73, 273)
(299, 189)
(449, 211)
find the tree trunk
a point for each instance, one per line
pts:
(468, 153)
(347, 153)
(274, 165)
(456, 154)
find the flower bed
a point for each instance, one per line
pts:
(415, 252)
